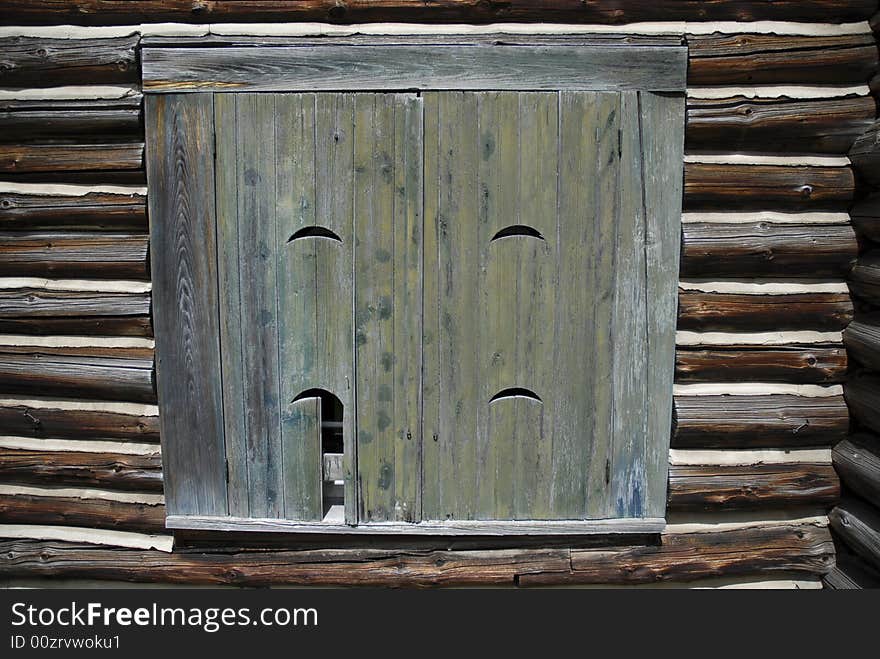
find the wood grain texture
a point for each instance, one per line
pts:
(400, 67)
(42, 62)
(179, 131)
(682, 557)
(88, 513)
(857, 460)
(752, 59)
(27, 421)
(721, 312)
(767, 250)
(755, 487)
(857, 524)
(775, 421)
(114, 12)
(778, 125)
(767, 187)
(813, 365)
(113, 471)
(23, 311)
(95, 210)
(36, 159)
(850, 572)
(83, 377)
(865, 217)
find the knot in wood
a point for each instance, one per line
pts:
(337, 13)
(198, 7)
(806, 190)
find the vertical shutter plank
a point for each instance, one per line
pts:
(302, 461)
(180, 167)
(388, 303)
(230, 304)
(663, 120)
(630, 325)
(255, 130)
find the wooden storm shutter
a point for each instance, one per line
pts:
(482, 273)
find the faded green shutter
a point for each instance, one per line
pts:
(548, 368)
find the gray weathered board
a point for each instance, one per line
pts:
(486, 281)
(403, 66)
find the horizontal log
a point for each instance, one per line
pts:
(767, 187)
(767, 250)
(93, 120)
(789, 549)
(682, 557)
(735, 312)
(778, 125)
(25, 311)
(42, 62)
(774, 421)
(135, 352)
(77, 511)
(114, 12)
(704, 488)
(113, 471)
(95, 210)
(751, 59)
(80, 377)
(81, 255)
(863, 397)
(864, 280)
(814, 365)
(69, 158)
(857, 524)
(39, 422)
(865, 155)
(857, 460)
(862, 340)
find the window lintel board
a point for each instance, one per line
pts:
(411, 63)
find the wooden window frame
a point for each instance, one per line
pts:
(184, 260)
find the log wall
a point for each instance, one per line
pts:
(768, 245)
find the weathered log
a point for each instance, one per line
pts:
(767, 250)
(807, 365)
(81, 377)
(864, 280)
(77, 511)
(113, 471)
(788, 485)
(857, 460)
(789, 549)
(863, 397)
(72, 120)
(865, 155)
(749, 59)
(75, 254)
(36, 159)
(857, 524)
(24, 310)
(764, 187)
(732, 312)
(865, 217)
(135, 352)
(114, 12)
(850, 573)
(41, 62)
(862, 340)
(782, 125)
(775, 421)
(38, 422)
(95, 210)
